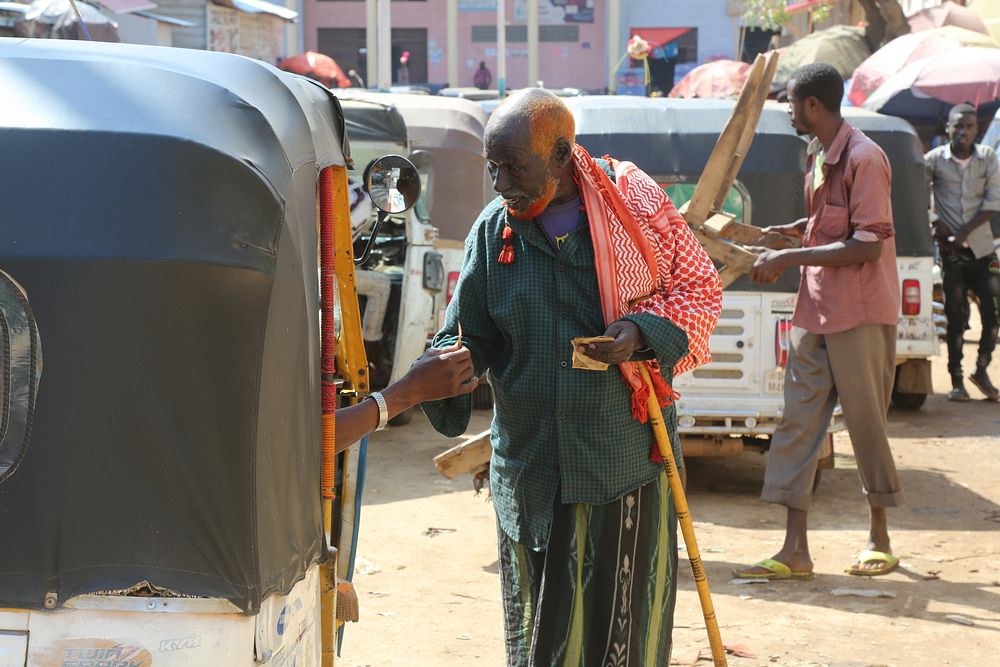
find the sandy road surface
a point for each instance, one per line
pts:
(429, 591)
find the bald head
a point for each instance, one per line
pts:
(529, 151)
(536, 116)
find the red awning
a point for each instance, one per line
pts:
(659, 36)
(128, 6)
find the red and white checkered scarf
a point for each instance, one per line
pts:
(647, 261)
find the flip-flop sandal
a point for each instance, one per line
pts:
(776, 570)
(889, 563)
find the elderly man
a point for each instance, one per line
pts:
(576, 247)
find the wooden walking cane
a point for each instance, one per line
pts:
(684, 519)
(723, 239)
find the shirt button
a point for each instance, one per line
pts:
(563, 364)
(562, 415)
(562, 267)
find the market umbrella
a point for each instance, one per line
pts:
(923, 92)
(947, 13)
(842, 46)
(719, 78)
(56, 19)
(909, 48)
(989, 12)
(318, 66)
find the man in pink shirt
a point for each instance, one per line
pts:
(843, 341)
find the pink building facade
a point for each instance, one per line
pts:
(572, 42)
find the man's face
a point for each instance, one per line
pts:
(962, 131)
(522, 177)
(797, 112)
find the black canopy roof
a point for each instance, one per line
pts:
(670, 137)
(159, 212)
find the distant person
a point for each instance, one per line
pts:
(403, 73)
(843, 338)
(965, 181)
(483, 77)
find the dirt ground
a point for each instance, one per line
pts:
(429, 589)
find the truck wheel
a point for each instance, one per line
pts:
(905, 401)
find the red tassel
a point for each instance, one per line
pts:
(507, 253)
(640, 411)
(664, 392)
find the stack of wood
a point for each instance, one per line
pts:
(723, 237)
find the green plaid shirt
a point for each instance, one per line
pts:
(556, 429)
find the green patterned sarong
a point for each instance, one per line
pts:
(602, 592)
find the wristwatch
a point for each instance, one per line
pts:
(383, 409)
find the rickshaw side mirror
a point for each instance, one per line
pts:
(393, 184)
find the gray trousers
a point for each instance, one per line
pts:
(858, 367)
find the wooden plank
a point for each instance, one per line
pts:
(468, 456)
(726, 252)
(719, 162)
(693, 445)
(746, 235)
(728, 276)
(751, 117)
(717, 224)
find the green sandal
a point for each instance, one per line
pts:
(889, 563)
(776, 570)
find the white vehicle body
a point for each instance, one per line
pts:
(121, 631)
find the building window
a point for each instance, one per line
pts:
(347, 47)
(687, 47)
(519, 33)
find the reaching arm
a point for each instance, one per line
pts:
(439, 373)
(771, 264)
(869, 225)
(468, 307)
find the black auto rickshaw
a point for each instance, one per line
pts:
(168, 493)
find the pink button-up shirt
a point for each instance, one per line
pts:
(853, 201)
